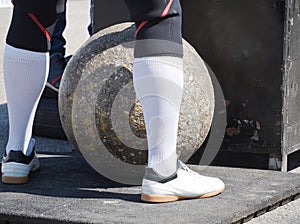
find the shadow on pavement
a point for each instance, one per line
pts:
(69, 176)
(64, 174)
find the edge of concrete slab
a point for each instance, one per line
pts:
(54, 196)
(276, 203)
(283, 197)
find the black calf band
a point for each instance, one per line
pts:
(32, 24)
(158, 25)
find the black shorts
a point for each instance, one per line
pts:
(140, 10)
(38, 7)
(33, 22)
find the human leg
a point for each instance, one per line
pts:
(58, 61)
(158, 81)
(58, 41)
(26, 63)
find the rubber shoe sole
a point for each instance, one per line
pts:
(172, 198)
(18, 180)
(13, 173)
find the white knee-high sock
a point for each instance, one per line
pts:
(25, 75)
(158, 82)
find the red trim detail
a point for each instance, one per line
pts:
(56, 79)
(142, 24)
(165, 12)
(42, 28)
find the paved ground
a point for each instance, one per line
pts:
(289, 213)
(68, 190)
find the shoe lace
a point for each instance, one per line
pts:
(188, 170)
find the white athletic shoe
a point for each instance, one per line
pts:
(185, 184)
(16, 166)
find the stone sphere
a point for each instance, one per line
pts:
(100, 113)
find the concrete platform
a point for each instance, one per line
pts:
(67, 190)
(289, 213)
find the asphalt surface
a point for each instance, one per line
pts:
(68, 190)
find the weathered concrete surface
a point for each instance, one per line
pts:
(68, 190)
(289, 213)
